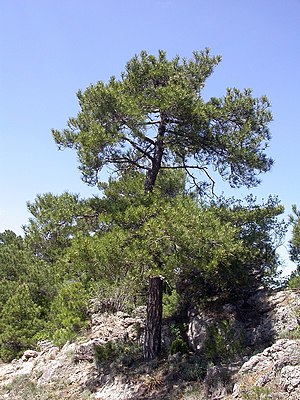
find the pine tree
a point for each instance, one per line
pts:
(154, 118)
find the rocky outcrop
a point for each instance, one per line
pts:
(263, 325)
(260, 319)
(276, 369)
(71, 371)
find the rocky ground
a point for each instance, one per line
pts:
(106, 363)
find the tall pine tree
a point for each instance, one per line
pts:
(154, 118)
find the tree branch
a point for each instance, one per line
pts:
(127, 160)
(140, 149)
(187, 169)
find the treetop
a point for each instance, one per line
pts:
(155, 118)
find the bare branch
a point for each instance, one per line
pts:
(127, 160)
(149, 140)
(157, 122)
(183, 167)
(140, 149)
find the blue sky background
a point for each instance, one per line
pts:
(50, 49)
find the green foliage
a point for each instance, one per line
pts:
(257, 393)
(261, 233)
(224, 341)
(153, 235)
(27, 287)
(105, 352)
(295, 241)
(294, 250)
(18, 265)
(160, 136)
(20, 321)
(68, 313)
(122, 354)
(179, 344)
(294, 280)
(155, 117)
(91, 259)
(141, 235)
(188, 368)
(54, 221)
(170, 303)
(193, 369)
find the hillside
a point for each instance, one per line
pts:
(254, 355)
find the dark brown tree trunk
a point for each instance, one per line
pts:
(152, 342)
(156, 159)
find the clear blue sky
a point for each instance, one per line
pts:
(52, 48)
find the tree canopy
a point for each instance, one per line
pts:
(154, 117)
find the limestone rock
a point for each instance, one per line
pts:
(276, 368)
(29, 354)
(71, 370)
(261, 319)
(290, 378)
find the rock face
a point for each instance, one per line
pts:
(255, 324)
(277, 369)
(71, 372)
(261, 319)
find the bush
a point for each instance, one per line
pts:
(224, 341)
(194, 369)
(294, 281)
(178, 345)
(123, 354)
(170, 303)
(257, 393)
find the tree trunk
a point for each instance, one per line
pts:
(152, 342)
(156, 159)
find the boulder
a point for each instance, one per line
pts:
(277, 369)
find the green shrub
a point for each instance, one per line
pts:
(170, 303)
(68, 313)
(224, 342)
(294, 281)
(123, 354)
(194, 369)
(105, 352)
(178, 345)
(257, 393)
